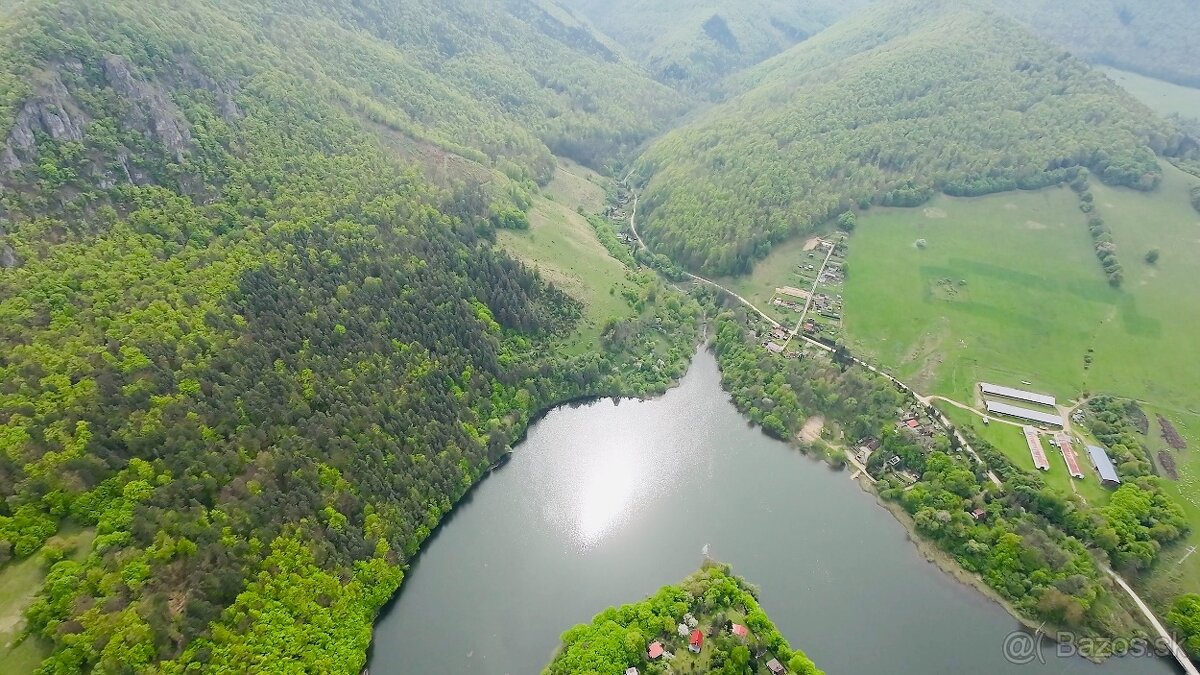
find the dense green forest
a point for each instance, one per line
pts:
(1028, 543)
(247, 342)
(711, 600)
(1153, 38)
(694, 44)
(888, 107)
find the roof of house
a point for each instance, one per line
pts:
(1024, 413)
(740, 630)
(1104, 465)
(656, 650)
(697, 638)
(913, 424)
(775, 666)
(631, 671)
(1018, 394)
(979, 513)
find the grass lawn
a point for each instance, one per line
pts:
(1011, 441)
(19, 581)
(778, 269)
(1162, 97)
(1007, 289)
(562, 246)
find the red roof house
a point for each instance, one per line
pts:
(912, 424)
(655, 651)
(696, 643)
(739, 630)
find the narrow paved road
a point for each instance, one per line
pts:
(693, 277)
(1176, 650)
(937, 416)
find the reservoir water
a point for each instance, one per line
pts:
(605, 502)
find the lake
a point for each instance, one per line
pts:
(605, 502)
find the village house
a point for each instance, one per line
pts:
(655, 651)
(863, 455)
(978, 514)
(739, 630)
(774, 348)
(775, 667)
(696, 642)
(631, 671)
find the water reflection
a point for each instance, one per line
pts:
(604, 503)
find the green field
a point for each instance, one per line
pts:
(1010, 440)
(19, 581)
(563, 247)
(1007, 289)
(778, 269)
(1162, 97)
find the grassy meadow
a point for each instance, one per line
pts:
(19, 581)
(1006, 288)
(563, 247)
(1165, 98)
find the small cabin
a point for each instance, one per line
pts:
(696, 642)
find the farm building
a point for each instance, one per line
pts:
(999, 408)
(1104, 465)
(1016, 394)
(793, 292)
(1036, 449)
(774, 348)
(1068, 452)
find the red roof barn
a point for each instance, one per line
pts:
(696, 643)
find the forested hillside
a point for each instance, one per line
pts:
(241, 339)
(889, 106)
(694, 44)
(1153, 38)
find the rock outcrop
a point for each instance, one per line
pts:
(150, 110)
(51, 110)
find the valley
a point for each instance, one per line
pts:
(282, 283)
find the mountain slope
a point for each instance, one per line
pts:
(888, 106)
(1152, 38)
(694, 44)
(257, 353)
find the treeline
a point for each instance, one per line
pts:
(1029, 543)
(617, 638)
(889, 107)
(1102, 239)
